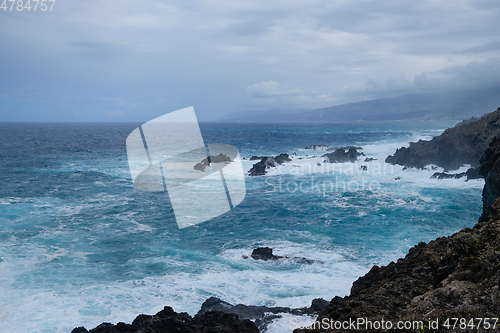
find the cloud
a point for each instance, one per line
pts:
(284, 95)
(378, 87)
(493, 46)
(476, 74)
(167, 55)
(470, 76)
(266, 89)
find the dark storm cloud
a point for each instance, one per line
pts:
(96, 60)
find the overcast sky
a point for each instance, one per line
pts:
(135, 60)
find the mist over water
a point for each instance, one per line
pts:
(80, 246)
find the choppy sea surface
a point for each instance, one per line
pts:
(80, 246)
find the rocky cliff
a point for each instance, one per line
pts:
(490, 170)
(451, 277)
(459, 145)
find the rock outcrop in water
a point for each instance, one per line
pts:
(343, 155)
(451, 277)
(471, 173)
(260, 168)
(455, 147)
(338, 155)
(215, 316)
(261, 315)
(266, 253)
(169, 321)
(221, 158)
(318, 147)
(263, 253)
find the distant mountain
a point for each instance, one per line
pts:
(448, 105)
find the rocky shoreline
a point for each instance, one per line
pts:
(455, 147)
(215, 315)
(450, 277)
(333, 155)
(167, 321)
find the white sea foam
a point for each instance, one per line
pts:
(229, 277)
(377, 171)
(71, 301)
(289, 322)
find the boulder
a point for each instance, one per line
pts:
(342, 155)
(221, 158)
(260, 168)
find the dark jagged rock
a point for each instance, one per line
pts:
(80, 330)
(348, 147)
(490, 170)
(369, 159)
(282, 158)
(221, 158)
(450, 277)
(261, 315)
(255, 158)
(471, 173)
(266, 253)
(364, 168)
(260, 168)
(444, 175)
(263, 253)
(342, 155)
(168, 321)
(454, 148)
(318, 147)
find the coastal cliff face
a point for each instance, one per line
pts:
(490, 170)
(459, 145)
(455, 276)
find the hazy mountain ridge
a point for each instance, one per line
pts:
(428, 106)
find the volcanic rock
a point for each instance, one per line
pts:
(455, 147)
(221, 158)
(342, 155)
(261, 315)
(168, 321)
(260, 168)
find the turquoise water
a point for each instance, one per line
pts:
(79, 245)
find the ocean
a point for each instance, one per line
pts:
(80, 246)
